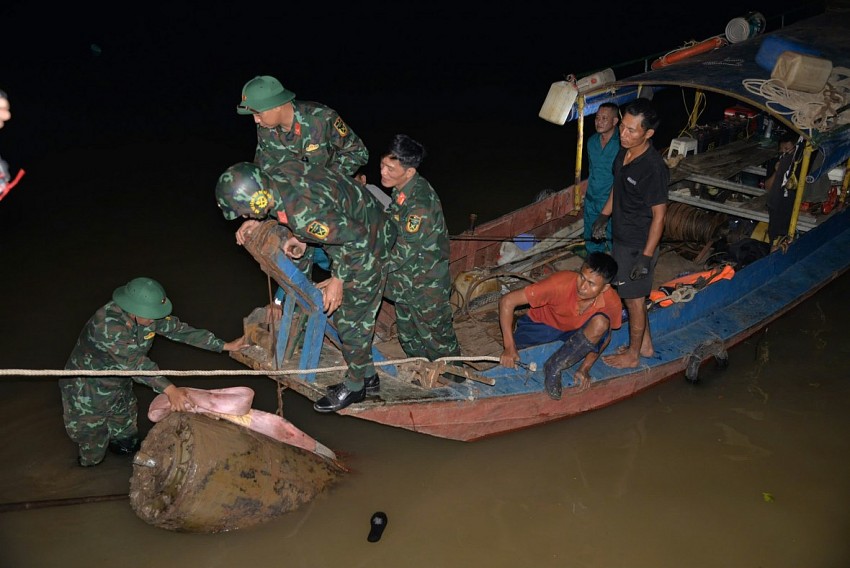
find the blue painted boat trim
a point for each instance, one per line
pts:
(752, 298)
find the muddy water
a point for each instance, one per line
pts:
(749, 468)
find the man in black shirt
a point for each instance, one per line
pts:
(637, 205)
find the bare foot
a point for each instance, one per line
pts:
(582, 381)
(644, 351)
(624, 360)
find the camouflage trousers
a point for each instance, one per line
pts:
(355, 322)
(424, 314)
(97, 410)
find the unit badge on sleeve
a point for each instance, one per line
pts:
(413, 223)
(318, 230)
(341, 127)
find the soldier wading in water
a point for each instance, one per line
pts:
(101, 412)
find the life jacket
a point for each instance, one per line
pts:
(696, 280)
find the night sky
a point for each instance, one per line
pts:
(466, 81)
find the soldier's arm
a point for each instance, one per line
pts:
(417, 224)
(349, 150)
(176, 330)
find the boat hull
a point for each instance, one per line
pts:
(685, 335)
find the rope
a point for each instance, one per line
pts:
(690, 224)
(696, 111)
(225, 372)
(808, 111)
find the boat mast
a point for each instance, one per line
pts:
(801, 187)
(577, 196)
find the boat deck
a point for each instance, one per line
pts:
(478, 333)
(697, 176)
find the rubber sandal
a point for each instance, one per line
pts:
(379, 523)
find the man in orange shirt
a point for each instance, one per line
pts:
(578, 308)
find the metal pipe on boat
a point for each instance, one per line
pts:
(801, 186)
(577, 197)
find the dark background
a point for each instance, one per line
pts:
(150, 89)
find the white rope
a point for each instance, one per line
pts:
(235, 372)
(808, 111)
(682, 294)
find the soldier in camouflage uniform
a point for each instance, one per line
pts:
(288, 129)
(320, 206)
(420, 284)
(101, 412)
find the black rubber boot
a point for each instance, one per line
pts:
(125, 446)
(571, 352)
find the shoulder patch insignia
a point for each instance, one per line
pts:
(312, 147)
(282, 218)
(318, 230)
(413, 223)
(150, 335)
(341, 127)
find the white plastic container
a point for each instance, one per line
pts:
(562, 95)
(836, 175)
(595, 80)
(802, 72)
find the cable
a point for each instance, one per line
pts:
(222, 372)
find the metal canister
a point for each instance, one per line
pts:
(197, 474)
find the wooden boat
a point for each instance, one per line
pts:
(491, 258)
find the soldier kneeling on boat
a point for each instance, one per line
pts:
(579, 308)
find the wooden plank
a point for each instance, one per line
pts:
(725, 161)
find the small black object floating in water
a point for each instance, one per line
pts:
(379, 523)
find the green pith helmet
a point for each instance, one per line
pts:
(263, 93)
(144, 297)
(241, 190)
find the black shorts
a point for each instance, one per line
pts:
(626, 287)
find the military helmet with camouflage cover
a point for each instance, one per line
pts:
(144, 297)
(241, 190)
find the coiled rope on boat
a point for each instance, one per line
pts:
(691, 224)
(808, 111)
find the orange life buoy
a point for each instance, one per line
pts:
(698, 280)
(685, 52)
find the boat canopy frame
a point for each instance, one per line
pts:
(731, 70)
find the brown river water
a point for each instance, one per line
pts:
(751, 467)
(748, 468)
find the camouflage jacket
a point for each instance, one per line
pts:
(318, 136)
(423, 240)
(324, 207)
(112, 340)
